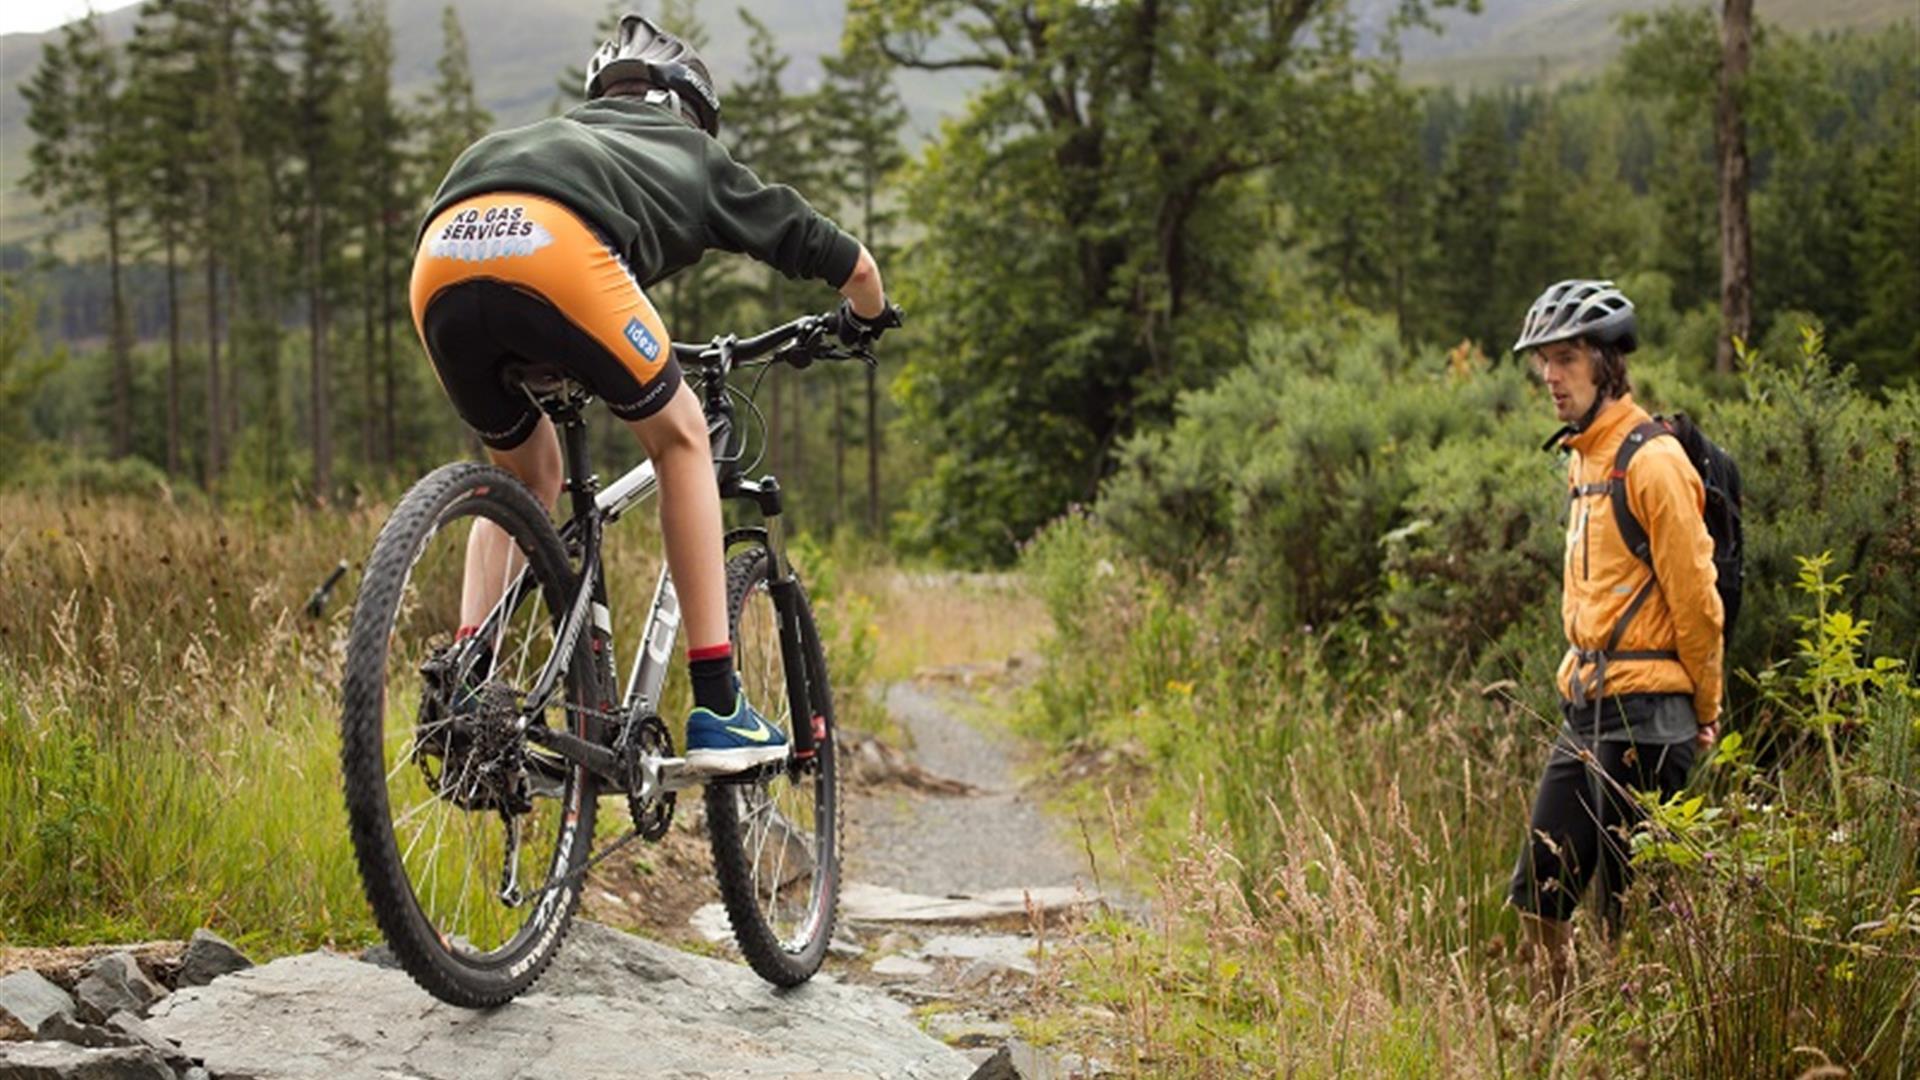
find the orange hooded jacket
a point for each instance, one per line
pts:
(1683, 612)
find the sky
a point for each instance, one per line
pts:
(33, 16)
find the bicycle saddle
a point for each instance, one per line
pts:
(540, 380)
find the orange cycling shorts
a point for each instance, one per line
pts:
(509, 279)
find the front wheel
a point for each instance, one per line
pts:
(776, 836)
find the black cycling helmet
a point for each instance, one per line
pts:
(641, 50)
(1580, 309)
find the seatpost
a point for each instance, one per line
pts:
(582, 484)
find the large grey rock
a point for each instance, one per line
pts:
(208, 957)
(112, 983)
(28, 1000)
(65, 1061)
(613, 1006)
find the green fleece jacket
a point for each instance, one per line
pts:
(664, 192)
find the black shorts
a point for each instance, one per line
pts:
(510, 279)
(1582, 821)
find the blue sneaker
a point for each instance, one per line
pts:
(717, 744)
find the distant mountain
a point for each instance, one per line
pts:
(1526, 42)
(520, 49)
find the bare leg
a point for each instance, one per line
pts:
(491, 557)
(676, 440)
(1549, 952)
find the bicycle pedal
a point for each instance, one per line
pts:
(676, 775)
(753, 774)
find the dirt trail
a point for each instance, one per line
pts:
(997, 836)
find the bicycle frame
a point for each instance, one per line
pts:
(594, 509)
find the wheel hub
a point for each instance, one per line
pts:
(468, 744)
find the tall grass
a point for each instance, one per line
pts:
(168, 756)
(1330, 858)
(169, 713)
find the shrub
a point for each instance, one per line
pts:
(1790, 923)
(1826, 468)
(1285, 476)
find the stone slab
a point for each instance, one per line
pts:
(614, 1006)
(1010, 950)
(861, 902)
(901, 967)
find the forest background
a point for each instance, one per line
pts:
(1209, 313)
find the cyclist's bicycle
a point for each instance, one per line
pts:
(474, 767)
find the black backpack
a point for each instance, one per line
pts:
(1719, 475)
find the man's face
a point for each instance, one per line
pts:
(1567, 369)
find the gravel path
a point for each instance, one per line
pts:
(996, 838)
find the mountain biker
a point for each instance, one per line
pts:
(537, 250)
(1636, 709)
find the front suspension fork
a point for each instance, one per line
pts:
(808, 730)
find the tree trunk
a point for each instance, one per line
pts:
(369, 392)
(1730, 143)
(231, 287)
(211, 468)
(120, 345)
(873, 453)
(839, 449)
(319, 376)
(776, 416)
(173, 358)
(870, 181)
(388, 443)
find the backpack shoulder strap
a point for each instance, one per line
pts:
(1631, 531)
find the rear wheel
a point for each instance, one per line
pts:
(468, 837)
(776, 833)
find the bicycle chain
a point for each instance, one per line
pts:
(630, 835)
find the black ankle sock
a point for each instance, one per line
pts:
(713, 684)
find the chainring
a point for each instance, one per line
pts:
(651, 817)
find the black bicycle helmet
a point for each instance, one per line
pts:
(1580, 309)
(641, 50)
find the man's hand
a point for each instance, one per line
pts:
(856, 332)
(1706, 735)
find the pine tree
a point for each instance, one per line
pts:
(1467, 225)
(79, 164)
(187, 78)
(159, 105)
(767, 131)
(1363, 193)
(307, 40)
(860, 115)
(381, 207)
(212, 32)
(452, 114)
(1543, 239)
(1886, 341)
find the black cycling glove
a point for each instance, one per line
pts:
(855, 332)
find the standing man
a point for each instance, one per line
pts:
(1640, 683)
(537, 249)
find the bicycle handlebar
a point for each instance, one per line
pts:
(800, 342)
